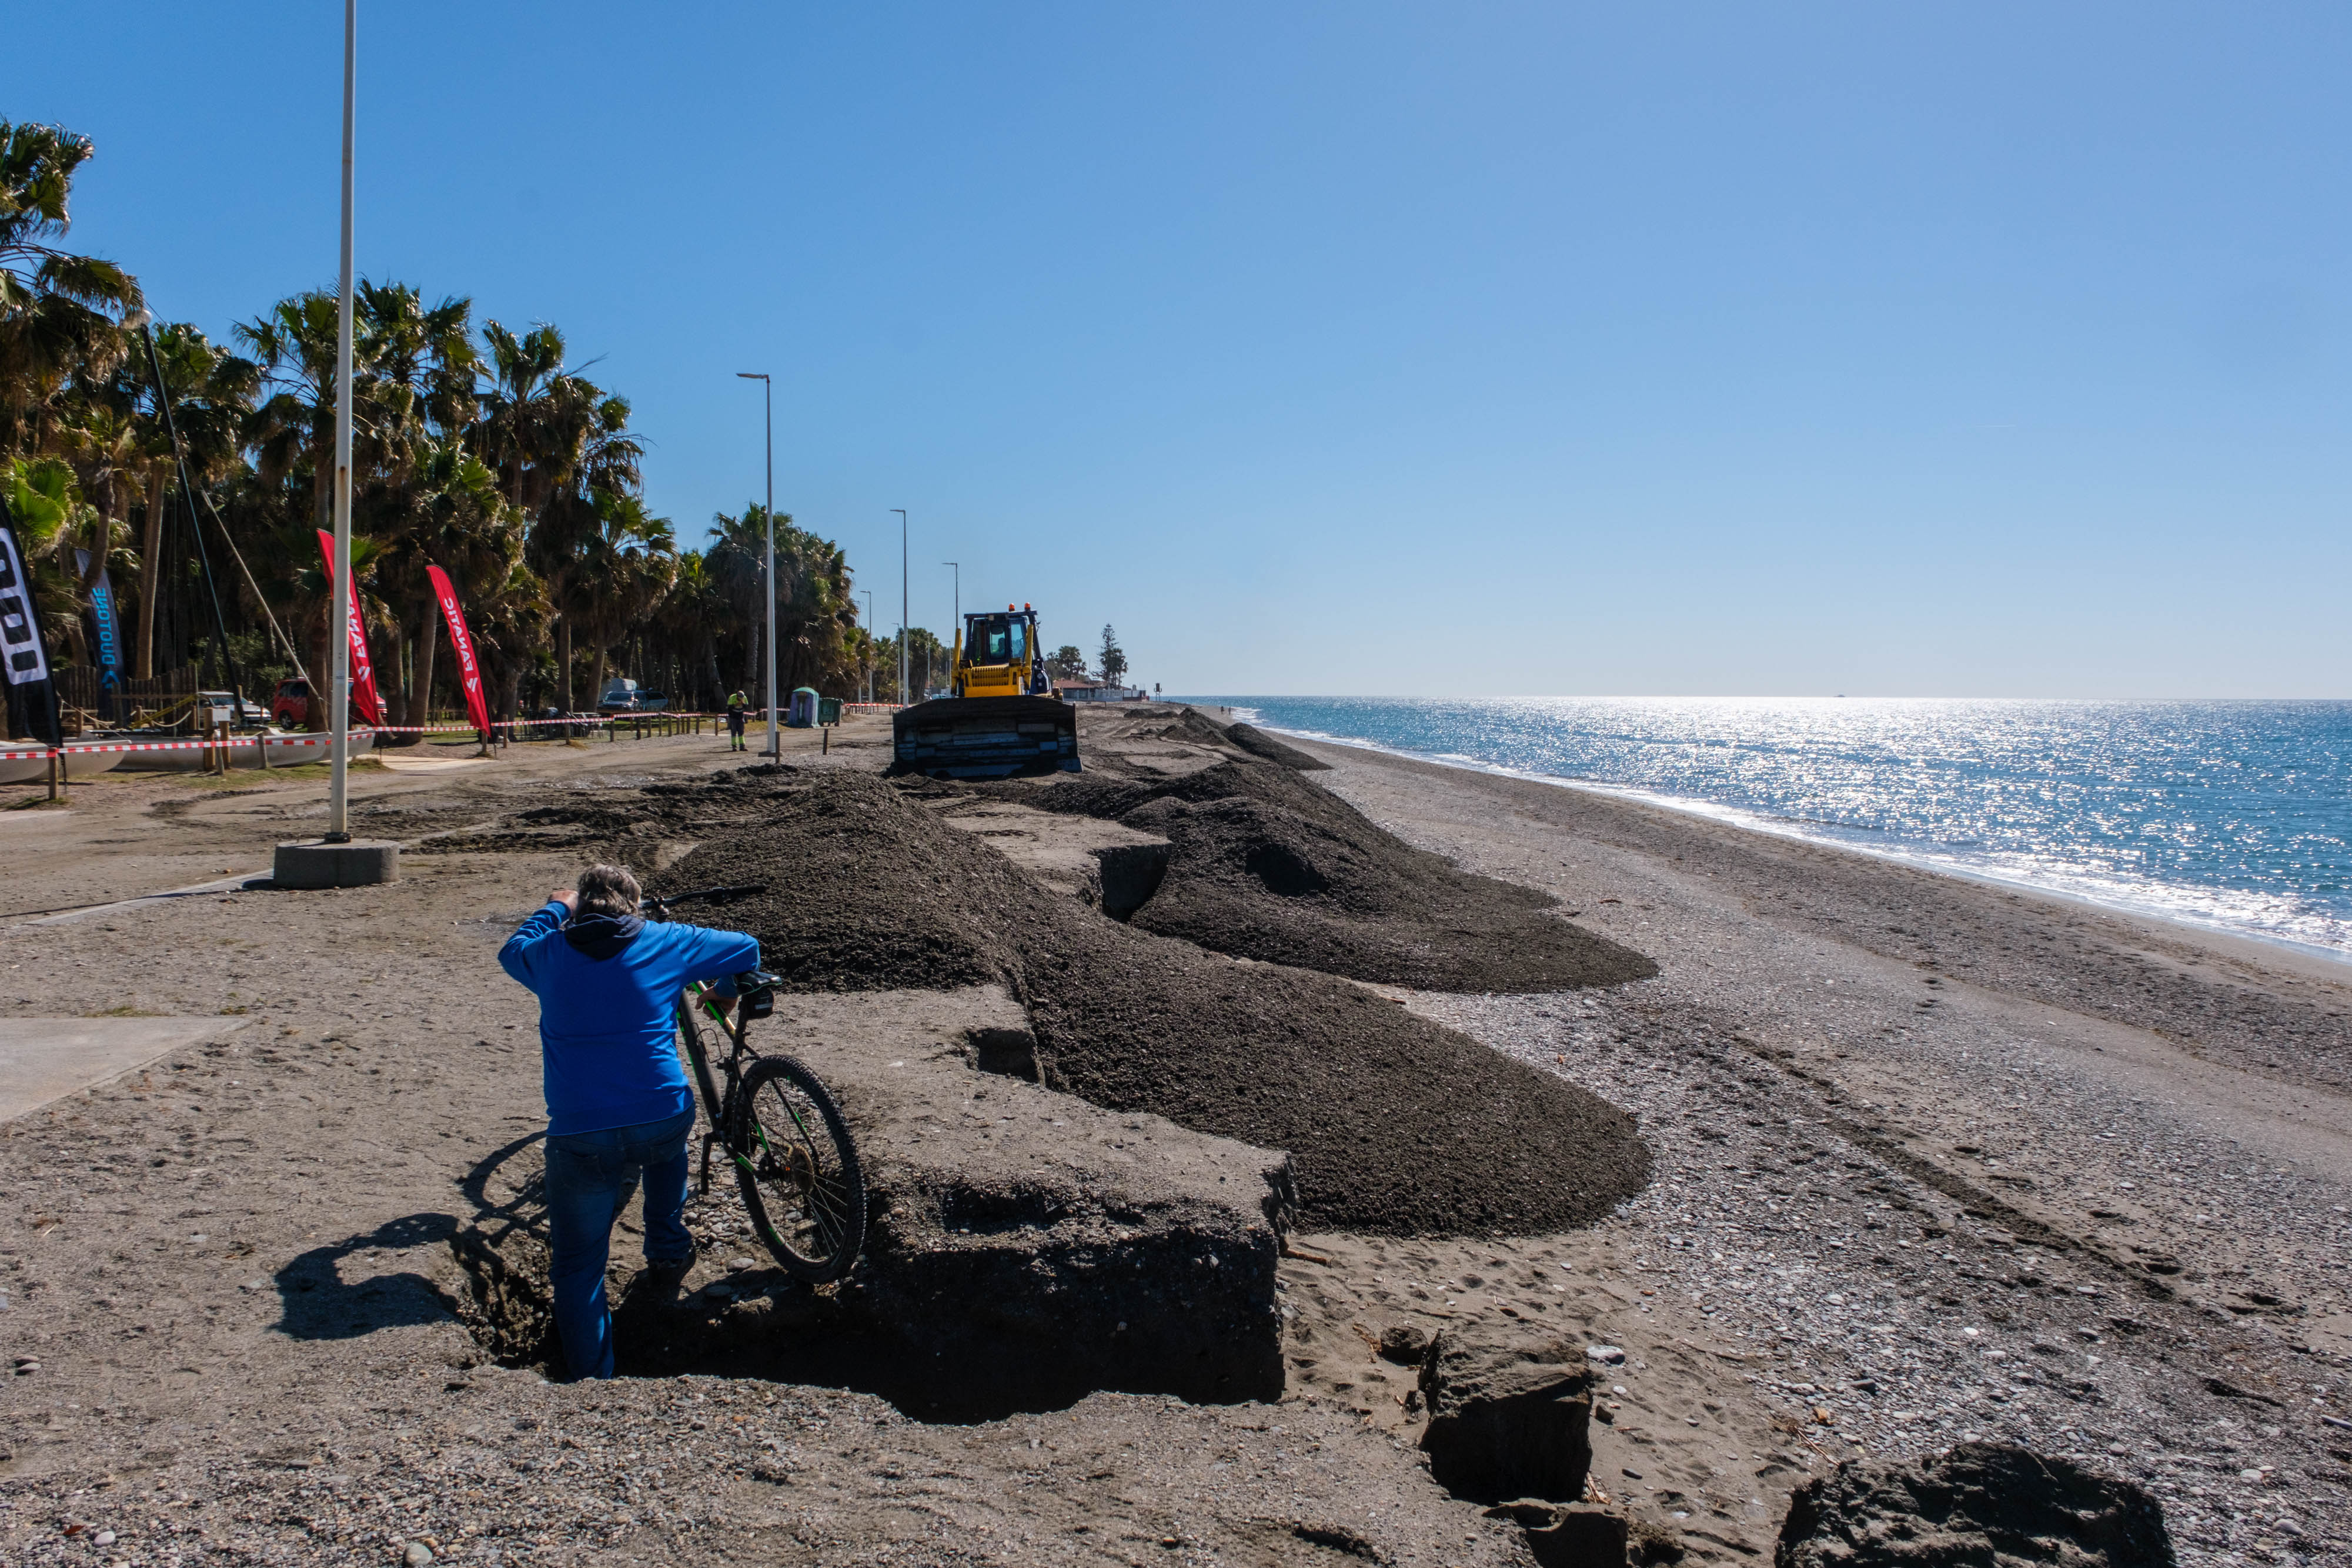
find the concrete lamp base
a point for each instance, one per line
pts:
(363, 862)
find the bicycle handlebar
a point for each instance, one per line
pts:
(659, 905)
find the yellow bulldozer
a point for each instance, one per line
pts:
(1000, 716)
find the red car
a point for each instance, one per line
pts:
(290, 708)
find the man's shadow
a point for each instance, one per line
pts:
(316, 1302)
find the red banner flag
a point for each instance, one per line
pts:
(364, 695)
(462, 641)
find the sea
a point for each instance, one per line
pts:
(2235, 816)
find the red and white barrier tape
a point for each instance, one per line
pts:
(360, 737)
(198, 745)
(78, 750)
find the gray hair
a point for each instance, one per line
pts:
(608, 889)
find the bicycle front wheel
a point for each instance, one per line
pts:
(799, 1171)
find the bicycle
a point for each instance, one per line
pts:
(793, 1155)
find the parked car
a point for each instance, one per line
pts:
(553, 724)
(228, 708)
(620, 695)
(291, 707)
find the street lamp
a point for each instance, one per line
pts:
(902, 603)
(775, 748)
(955, 627)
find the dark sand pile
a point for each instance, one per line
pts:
(1394, 1124)
(851, 905)
(1257, 743)
(1980, 1502)
(1267, 865)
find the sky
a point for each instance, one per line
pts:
(1932, 350)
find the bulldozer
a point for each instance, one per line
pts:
(1000, 716)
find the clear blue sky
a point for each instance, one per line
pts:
(1928, 350)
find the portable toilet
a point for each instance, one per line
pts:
(802, 713)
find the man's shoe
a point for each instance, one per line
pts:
(672, 1269)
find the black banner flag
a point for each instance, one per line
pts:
(24, 663)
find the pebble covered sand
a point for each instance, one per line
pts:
(1930, 1213)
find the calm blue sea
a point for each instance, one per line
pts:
(2233, 815)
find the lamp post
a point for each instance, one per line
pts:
(775, 748)
(339, 688)
(902, 603)
(955, 627)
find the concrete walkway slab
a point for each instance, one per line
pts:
(42, 1060)
(91, 911)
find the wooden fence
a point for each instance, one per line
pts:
(136, 703)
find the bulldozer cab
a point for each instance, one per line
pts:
(997, 655)
(1001, 638)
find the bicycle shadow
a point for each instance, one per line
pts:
(524, 1206)
(502, 1253)
(315, 1301)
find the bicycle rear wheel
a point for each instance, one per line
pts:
(799, 1171)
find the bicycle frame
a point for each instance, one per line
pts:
(720, 1106)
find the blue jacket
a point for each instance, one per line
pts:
(607, 993)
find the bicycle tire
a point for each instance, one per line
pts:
(798, 1169)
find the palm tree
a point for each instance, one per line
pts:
(61, 314)
(627, 563)
(558, 442)
(292, 432)
(52, 517)
(737, 564)
(453, 516)
(212, 395)
(427, 498)
(488, 455)
(687, 622)
(816, 618)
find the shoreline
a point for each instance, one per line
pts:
(2334, 961)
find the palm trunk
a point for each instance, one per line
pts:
(563, 657)
(597, 685)
(322, 676)
(402, 683)
(151, 560)
(428, 641)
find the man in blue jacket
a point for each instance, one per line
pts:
(618, 1104)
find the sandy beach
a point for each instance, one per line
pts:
(1924, 1160)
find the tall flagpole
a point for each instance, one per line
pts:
(338, 708)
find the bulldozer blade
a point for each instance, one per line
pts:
(985, 738)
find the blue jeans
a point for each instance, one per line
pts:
(590, 1177)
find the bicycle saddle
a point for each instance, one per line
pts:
(756, 992)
